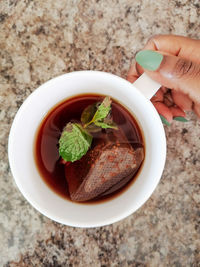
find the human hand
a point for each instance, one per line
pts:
(176, 66)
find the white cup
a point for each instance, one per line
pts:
(34, 109)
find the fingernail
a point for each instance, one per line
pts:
(180, 119)
(164, 121)
(149, 59)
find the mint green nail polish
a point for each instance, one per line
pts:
(149, 59)
(180, 119)
(164, 121)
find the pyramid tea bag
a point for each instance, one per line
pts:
(110, 162)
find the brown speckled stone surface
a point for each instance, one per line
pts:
(42, 39)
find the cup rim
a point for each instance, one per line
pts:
(19, 113)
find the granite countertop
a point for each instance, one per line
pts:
(42, 39)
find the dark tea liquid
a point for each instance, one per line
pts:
(46, 147)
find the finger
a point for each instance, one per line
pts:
(177, 112)
(175, 45)
(197, 109)
(163, 110)
(172, 72)
(158, 96)
(182, 100)
(140, 70)
(164, 89)
(132, 74)
(168, 100)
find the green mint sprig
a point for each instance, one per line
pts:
(100, 116)
(103, 110)
(76, 139)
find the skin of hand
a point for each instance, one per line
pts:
(177, 67)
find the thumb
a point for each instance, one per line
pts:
(172, 72)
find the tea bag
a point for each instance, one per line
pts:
(110, 162)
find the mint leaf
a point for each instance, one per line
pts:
(100, 118)
(103, 109)
(106, 125)
(180, 119)
(101, 113)
(74, 142)
(88, 113)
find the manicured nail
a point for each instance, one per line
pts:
(180, 119)
(149, 59)
(164, 121)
